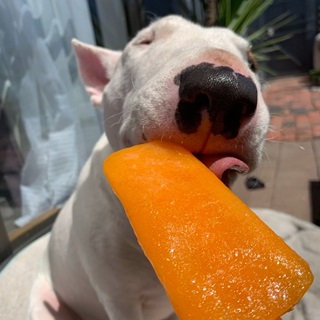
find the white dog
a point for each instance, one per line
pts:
(177, 81)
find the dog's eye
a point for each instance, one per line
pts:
(145, 39)
(252, 61)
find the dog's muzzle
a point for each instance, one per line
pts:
(228, 98)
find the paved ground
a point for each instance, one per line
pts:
(292, 154)
(295, 109)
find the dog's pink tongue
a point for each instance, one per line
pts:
(219, 164)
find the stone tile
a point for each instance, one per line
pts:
(239, 189)
(283, 135)
(316, 131)
(315, 93)
(292, 157)
(293, 97)
(286, 170)
(274, 135)
(275, 110)
(303, 134)
(286, 167)
(302, 120)
(303, 130)
(276, 122)
(316, 104)
(288, 134)
(301, 98)
(296, 165)
(266, 173)
(314, 117)
(276, 130)
(294, 200)
(289, 121)
(258, 198)
(301, 110)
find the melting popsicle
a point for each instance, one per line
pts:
(215, 258)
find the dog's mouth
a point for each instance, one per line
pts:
(224, 167)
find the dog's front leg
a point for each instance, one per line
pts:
(108, 257)
(135, 295)
(122, 309)
(117, 293)
(115, 280)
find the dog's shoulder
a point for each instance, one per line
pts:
(93, 166)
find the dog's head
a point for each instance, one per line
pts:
(181, 82)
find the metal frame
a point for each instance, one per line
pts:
(5, 244)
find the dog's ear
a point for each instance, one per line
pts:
(96, 66)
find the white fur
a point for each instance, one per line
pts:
(95, 264)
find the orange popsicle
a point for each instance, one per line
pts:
(215, 258)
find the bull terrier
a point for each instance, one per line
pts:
(176, 81)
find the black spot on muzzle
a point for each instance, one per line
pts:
(229, 98)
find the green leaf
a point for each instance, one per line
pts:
(271, 42)
(268, 70)
(247, 13)
(276, 23)
(238, 15)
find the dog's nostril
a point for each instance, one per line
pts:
(228, 98)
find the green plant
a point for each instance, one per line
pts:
(239, 15)
(314, 76)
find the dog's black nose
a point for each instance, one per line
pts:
(228, 97)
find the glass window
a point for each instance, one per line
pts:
(47, 124)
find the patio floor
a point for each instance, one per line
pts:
(292, 153)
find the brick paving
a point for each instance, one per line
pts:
(294, 105)
(291, 160)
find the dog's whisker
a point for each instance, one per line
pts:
(111, 125)
(144, 132)
(132, 81)
(114, 115)
(271, 139)
(151, 16)
(265, 153)
(275, 130)
(120, 115)
(163, 137)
